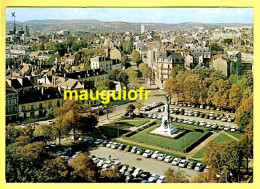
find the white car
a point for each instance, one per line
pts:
(203, 123)
(147, 153)
(155, 154)
(23, 126)
(161, 179)
(49, 121)
(168, 159)
(161, 156)
(134, 149)
(233, 129)
(208, 125)
(114, 145)
(176, 161)
(191, 121)
(183, 163)
(153, 178)
(185, 121)
(143, 108)
(101, 163)
(137, 172)
(109, 144)
(116, 164)
(198, 167)
(226, 128)
(123, 169)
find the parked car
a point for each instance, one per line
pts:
(161, 179)
(49, 121)
(137, 172)
(104, 143)
(176, 161)
(145, 175)
(203, 123)
(101, 163)
(134, 149)
(191, 165)
(147, 153)
(140, 151)
(123, 168)
(114, 145)
(180, 120)
(109, 144)
(155, 155)
(224, 119)
(161, 156)
(185, 121)
(153, 178)
(95, 160)
(191, 121)
(116, 164)
(198, 167)
(98, 141)
(233, 129)
(183, 163)
(226, 128)
(168, 159)
(128, 148)
(121, 147)
(129, 170)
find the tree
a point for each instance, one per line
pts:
(32, 150)
(176, 69)
(219, 93)
(124, 60)
(224, 157)
(244, 120)
(127, 46)
(235, 96)
(56, 170)
(245, 108)
(45, 132)
(175, 176)
(113, 74)
(145, 70)
(84, 170)
(135, 56)
(192, 88)
(105, 85)
(205, 177)
(109, 108)
(246, 143)
(112, 175)
(122, 77)
(130, 108)
(71, 116)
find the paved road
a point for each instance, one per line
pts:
(147, 164)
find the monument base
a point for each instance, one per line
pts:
(169, 131)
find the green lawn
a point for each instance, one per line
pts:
(178, 145)
(135, 122)
(220, 138)
(112, 131)
(237, 135)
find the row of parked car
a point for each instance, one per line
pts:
(131, 173)
(196, 113)
(150, 107)
(155, 155)
(203, 123)
(201, 106)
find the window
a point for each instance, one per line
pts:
(40, 106)
(58, 103)
(23, 108)
(32, 107)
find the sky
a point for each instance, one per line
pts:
(155, 15)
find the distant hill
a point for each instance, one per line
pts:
(94, 25)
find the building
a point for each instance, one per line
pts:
(142, 28)
(11, 104)
(101, 62)
(220, 63)
(35, 103)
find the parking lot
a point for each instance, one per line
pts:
(147, 164)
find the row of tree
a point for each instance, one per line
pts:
(212, 88)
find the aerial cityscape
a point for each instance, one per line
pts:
(129, 95)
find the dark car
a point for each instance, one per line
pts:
(121, 146)
(191, 164)
(105, 143)
(145, 175)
